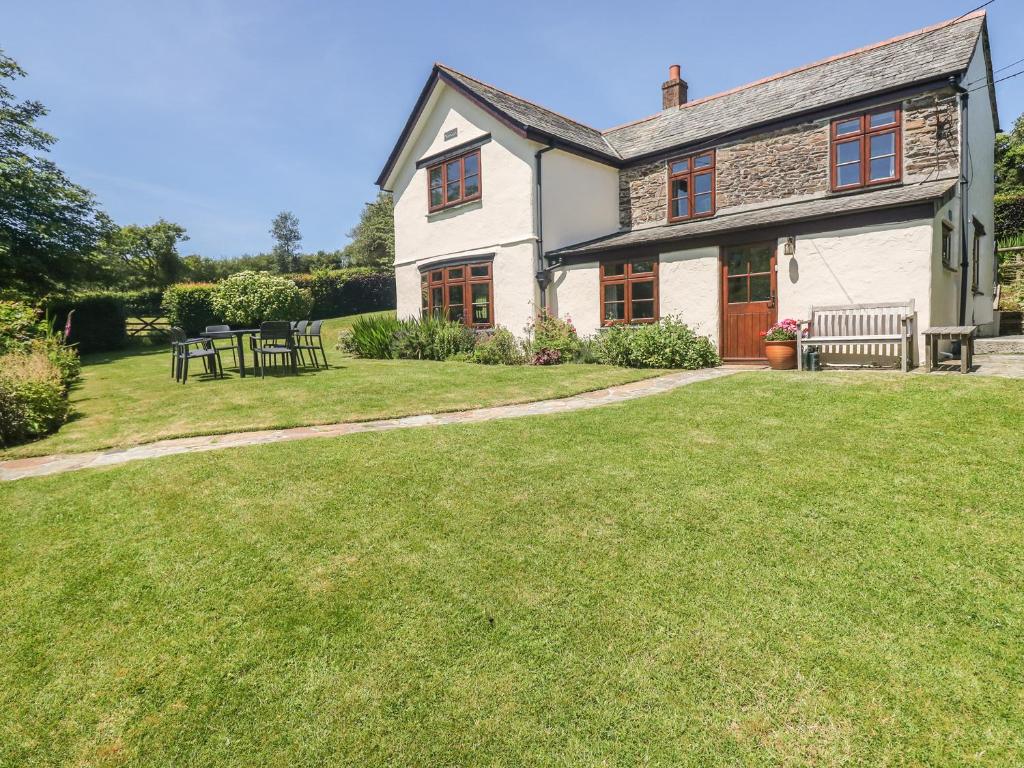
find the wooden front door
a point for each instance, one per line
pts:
(748, 300)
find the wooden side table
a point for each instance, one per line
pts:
(962, 333)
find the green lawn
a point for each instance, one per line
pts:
(129, 397)
(765, 569)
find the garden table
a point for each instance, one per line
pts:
(962, 334)
(238, 333)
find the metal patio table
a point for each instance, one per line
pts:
(238, 333)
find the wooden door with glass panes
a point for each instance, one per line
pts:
(748, 300)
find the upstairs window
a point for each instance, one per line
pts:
(454, 181)
(947, 245)
(866, 149)
(979, 232)
(691, 187)
(463, 293)
(629, 291)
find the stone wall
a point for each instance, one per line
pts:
(793, 162)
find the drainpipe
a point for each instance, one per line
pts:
(965, 262)
(542, 273)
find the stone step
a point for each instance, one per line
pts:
(1000, 345)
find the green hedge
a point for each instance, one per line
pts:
(349, 291)
(1009, 215)
(190, 306)
(143, 303)
(99, 322)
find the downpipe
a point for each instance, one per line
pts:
(541, 274)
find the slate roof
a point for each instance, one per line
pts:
(785, 213)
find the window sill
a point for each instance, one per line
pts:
(628, 325)
(442, 213)
(865, 188)
(691, 219)
(949, 268)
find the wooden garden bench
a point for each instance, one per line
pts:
(883, 327)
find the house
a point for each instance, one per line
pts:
(865, 177)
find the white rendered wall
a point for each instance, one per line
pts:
(581, 199)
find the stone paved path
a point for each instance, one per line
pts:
(51, 465)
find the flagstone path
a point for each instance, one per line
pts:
(38, 466)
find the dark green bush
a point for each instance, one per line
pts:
(190, 306)
(1009, 215)
(32, 396)
(348, 291)
(432, 338)
(668, 343)
(99, 322)
(371, 337)
(143, 303)
(499, 347)
(553, 340)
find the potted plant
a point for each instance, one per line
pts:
(780, 344)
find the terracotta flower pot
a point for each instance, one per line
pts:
(781, 354)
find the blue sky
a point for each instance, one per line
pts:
(217, 115)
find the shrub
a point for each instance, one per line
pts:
(247, 299)
(669, 343)
(99, 322)
(32, 400)
(549, 333)
(546, 357)
(1009, 215)
(19, 324)
(499, 347)
(349, 291)
(143, 303)
(190, 306)
(371, 337)
(433, 338)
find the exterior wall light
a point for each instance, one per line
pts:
(790, 247)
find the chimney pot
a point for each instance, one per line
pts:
(674, 90)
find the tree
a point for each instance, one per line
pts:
(49, 226)
(285, 231)
(145, 257)
(373, 238)
(1010, 160)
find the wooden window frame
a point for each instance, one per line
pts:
(976, 261)
(628, 279)
(864, 133)
(690, 174)
(946, 245)
(443, 167)
(440, 277)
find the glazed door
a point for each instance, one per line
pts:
(748, 300)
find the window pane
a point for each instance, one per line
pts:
(614, 311)
(737, 289)
(472, 163)
(878, 119)
(455, 294)
(480, 293)
(848, 174)
(643, 290)
(454, 170)
(702, 183)
(679, 166)
(736, 262)
(436, 276)
(472, 185)
(883, 168)
(848, 126)
(760, 287)
(643, 310)
(680, 208)
(848, 151)
(883, 144)
(436, 197)
(642, 267)
(437, 297)
(614, 269)
(760, 259)
(702, 203)
(453, 191)
(615, 292)
(456, 313)
(424, 297)
(704, 161)
(455, 273)
(480, 270)
(435, 176)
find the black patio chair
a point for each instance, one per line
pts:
(230, 347)
(298, 332)
(312, 340)
(274, 341)
(185, 349)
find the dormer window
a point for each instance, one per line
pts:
(454, 181)
(866, 149)
(691, 187)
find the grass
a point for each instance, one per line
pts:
(129, 398)
(758, 570)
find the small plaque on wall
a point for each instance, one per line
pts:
(451, 134)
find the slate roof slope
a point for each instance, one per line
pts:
(532, 115)
(785, 213)
(918, 57)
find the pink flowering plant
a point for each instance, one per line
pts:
(784, 330)
(552, 339)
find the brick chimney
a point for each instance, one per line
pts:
(673, 90)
